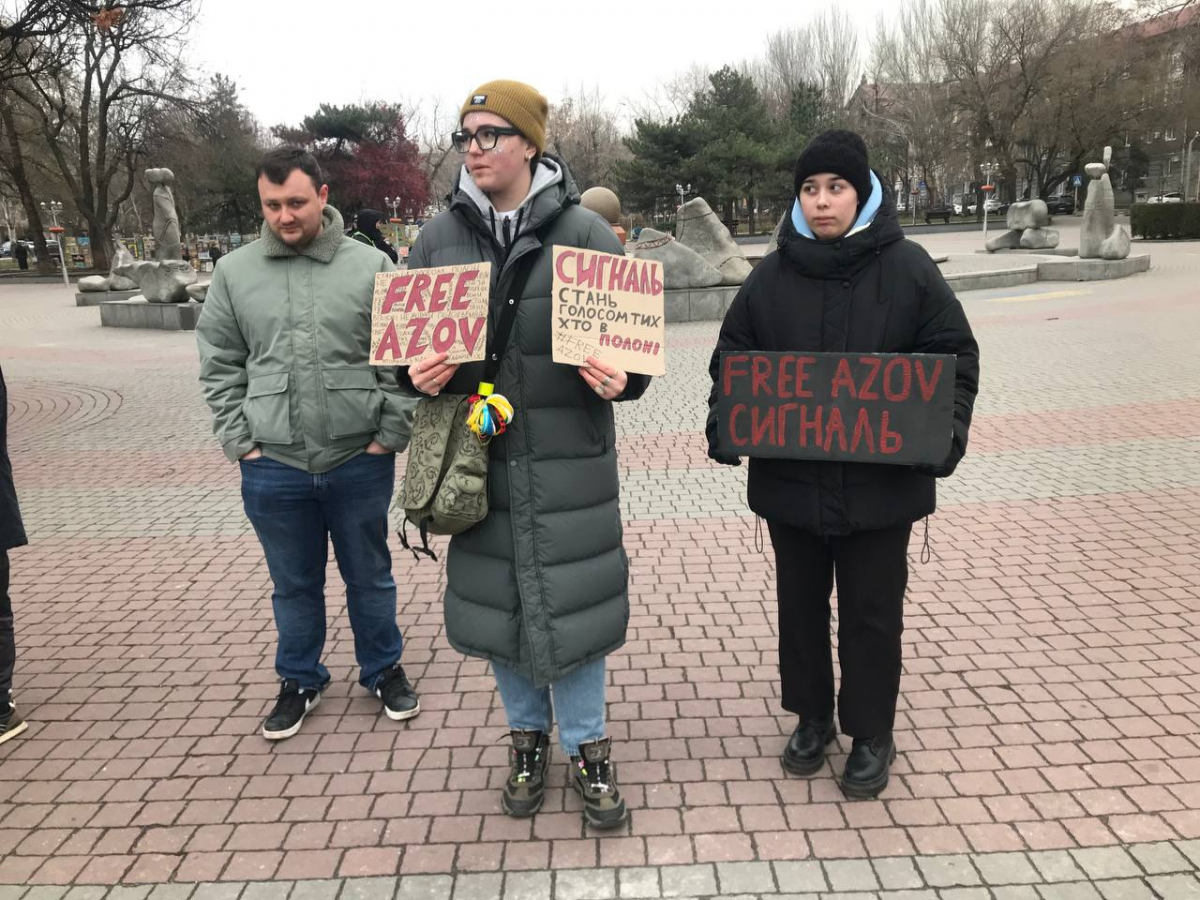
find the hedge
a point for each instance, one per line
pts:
(1165, 220)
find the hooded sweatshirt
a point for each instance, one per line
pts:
(507, 226)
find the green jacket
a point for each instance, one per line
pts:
(541, 584)
(285, 339)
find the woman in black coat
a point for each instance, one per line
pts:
(12, 534)
(844, 279)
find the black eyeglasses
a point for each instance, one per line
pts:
(486, 137)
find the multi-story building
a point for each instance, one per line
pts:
(1173, 109)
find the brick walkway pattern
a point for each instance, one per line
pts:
(1049, 723)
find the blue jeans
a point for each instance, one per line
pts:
(295, 515)
(578, 700)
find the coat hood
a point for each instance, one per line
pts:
(552, 190)
(367, 221)
(877, 226)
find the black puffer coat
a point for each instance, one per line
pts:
(12, 532)
(541, 584)
(871, 292)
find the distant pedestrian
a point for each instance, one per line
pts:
(366, 231)
(845, 280)
(285, 364)
(21, 254)
(12, 534)
(214, 253)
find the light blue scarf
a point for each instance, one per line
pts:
(865, 217)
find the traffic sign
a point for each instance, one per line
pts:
(1078, 180)
(923, 185)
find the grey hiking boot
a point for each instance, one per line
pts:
(525, 789)
(594, 778)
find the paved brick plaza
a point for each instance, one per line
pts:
(1049, 728)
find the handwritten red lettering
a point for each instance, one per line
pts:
(927, 387)
(389, 344)
(865, 390)
(459, 301)
(843, 378)
(415, 300)
(395, 292)
(902, 364)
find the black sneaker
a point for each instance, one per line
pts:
(529, 757)
(866, 773)
(290, 709)
(594, 778)
(11, 723)
(805, 750)
(399, 699)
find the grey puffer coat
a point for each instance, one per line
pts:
(541, 585)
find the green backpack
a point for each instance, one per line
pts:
(445, 483)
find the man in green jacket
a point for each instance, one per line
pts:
(284, 362)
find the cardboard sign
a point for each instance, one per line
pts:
(443, 310)
(609, 307)
(859, 407)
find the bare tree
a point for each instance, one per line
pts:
(1000, 57)
(97, 90)
(671, 99)
(839, 63)
(912, 94)
(431, 123)
(23, 24)
(584, 133)
(787, 61)
(824, 53)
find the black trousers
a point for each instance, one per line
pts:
(8, 646)
(871, 569)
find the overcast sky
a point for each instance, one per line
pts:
(288, 57)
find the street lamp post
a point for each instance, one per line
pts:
(1187, 171)
(54, 209)
(988, 168)
(683, 191)
(393, 202)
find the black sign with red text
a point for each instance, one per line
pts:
(893, 408)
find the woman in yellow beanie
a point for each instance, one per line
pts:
(540, 587)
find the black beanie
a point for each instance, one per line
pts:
(841, 153)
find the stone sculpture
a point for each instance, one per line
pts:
(93, 284)
(699, 229)
(165, 278)
(1028, 221)
(607, 205)
(1101, 237)
(165, 229)
(683, 267)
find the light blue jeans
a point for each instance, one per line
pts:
(578, 700)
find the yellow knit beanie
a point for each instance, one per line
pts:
(512, 100)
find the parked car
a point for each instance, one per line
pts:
(6, 249)
(1063, 205)
(1168, 197)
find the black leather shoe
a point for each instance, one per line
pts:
(866, 773)
(805, 750)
